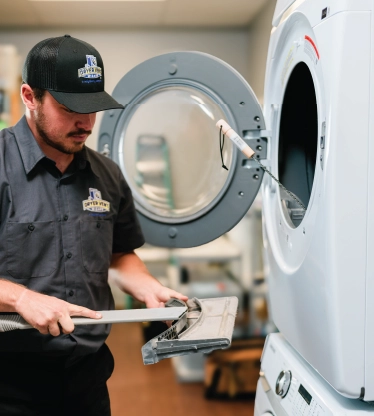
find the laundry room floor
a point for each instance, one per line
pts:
(153, 390)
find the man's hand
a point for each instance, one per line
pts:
(50, 315)
(160, 295)
(132, 276)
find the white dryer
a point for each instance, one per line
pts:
(320, 268)
(288, 385)
(315, 135)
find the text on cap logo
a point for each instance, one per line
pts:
(90, 70)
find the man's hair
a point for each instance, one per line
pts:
(38, 93)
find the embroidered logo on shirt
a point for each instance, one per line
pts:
(94, 203)
(90, 70)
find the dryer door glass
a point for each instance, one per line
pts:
(168, 146)
(169, 152)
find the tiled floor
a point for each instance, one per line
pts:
(136, 389)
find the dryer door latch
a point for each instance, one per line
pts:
(322, 143)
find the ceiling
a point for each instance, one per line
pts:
(86, 14)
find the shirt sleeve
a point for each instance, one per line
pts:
(127, 233)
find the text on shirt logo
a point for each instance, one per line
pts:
(94, 203)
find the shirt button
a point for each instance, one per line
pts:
(31, 227)
(98, 225)
(69, 255)
(66, 217)
(71, 293)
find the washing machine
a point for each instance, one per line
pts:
(288, 385)
(313, 133)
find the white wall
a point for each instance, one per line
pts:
(247, 235)
(122, 50)
(259, 35)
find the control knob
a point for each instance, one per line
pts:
(283, 383)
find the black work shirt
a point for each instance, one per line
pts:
(58, 233)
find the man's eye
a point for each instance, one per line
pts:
(68, 111)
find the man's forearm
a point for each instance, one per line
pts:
(131, 275)
(9, 295)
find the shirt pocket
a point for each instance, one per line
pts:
(31, 249)
(97, 241)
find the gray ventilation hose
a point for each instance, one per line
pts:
(13, 321)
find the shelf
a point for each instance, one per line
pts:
(153, 254)
(220, 250)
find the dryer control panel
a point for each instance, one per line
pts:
(294, 388)
(300, 402)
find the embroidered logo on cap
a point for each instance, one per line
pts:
(90, 70)
(94, 203)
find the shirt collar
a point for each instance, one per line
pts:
(30, 151)
(83, 158)
(32, 154)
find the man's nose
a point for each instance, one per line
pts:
(86, 121)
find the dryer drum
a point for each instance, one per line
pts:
(298, 140)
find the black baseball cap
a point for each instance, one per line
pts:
(72, 71)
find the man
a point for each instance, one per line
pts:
(66, 216)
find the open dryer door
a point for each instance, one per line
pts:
(167, 145)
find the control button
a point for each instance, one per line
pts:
(66, 217)
(31, 227)
(71, 292)
(98, 224)
(283, 383)
(69, 255)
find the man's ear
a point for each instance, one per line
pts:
(28, 97)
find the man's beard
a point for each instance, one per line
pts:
(60, 145)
